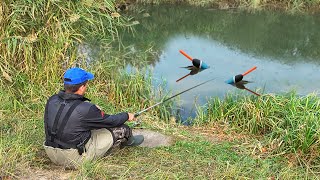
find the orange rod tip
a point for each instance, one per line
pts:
(250, 70)
(186, 55)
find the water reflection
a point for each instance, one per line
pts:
(193, 70)
(274, 35)
(241, 85)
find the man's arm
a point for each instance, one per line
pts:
(98, 119)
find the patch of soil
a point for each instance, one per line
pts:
(54, 173)
(216, 133)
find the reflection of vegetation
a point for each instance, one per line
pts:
(290, 5)
(270, 34)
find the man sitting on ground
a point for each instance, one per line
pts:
(78, 130)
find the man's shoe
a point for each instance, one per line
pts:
(134, 141)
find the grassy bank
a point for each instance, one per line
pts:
(40, 40)
(289, 123)
(197, 156)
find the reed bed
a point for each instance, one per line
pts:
(290, 122)
(39, 39)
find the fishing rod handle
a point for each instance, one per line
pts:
(136, 115)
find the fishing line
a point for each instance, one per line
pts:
(146, 109)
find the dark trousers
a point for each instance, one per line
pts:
(121, 134)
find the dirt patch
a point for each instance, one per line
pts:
(153, 138)
(216, 133)
(54, 173)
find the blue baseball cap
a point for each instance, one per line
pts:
(76, 76)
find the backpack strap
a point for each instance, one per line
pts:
(58, 131)
(66, 117)
(53, 132)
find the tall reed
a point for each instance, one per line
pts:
(38, 39)
(290, 122)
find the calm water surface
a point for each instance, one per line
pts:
(285, 48)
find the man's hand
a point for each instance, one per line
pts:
(131, 117)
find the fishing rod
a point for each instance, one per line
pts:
(144, 110)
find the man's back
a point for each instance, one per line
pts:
(70, 130)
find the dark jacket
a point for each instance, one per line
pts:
(85, 117)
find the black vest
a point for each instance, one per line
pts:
(63, 115)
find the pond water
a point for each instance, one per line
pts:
(285, 48)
